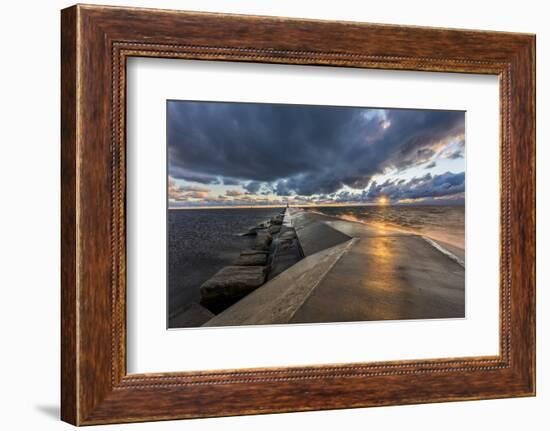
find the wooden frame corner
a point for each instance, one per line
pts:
(95, 43)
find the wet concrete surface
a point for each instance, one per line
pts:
(277, 301)
(385, 275)
(354, 272)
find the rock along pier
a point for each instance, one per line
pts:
(275, 249)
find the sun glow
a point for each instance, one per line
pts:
(383, 200)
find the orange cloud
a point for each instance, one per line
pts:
(197, 195)
(194, 188)
(233, 193)
(184, 193)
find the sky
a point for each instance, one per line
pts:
(243, 154)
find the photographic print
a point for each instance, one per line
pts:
(301, 214)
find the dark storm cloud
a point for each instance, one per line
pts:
(230, 182)
(252, 186)
(302, 150)
(184, 174)
(446, 184)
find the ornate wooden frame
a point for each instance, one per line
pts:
(95, 42)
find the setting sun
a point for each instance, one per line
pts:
(383, 200)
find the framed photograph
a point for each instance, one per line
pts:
(266, 215)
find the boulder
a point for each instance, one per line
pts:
(263, 240)
(252, 259)
(254, 230)
(230, 284)
(274, 229)
(250, 232)
(252, 251)
(277, 220)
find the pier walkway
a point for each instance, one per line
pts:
(354, 272)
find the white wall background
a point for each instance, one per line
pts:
(29, 215)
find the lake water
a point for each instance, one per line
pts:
(201, 242)
(442, 223)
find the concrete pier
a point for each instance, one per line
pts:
(354, 272)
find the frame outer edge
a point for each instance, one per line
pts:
(533, 53)
(530, 63)
(69, 202)
(523, 217)
(532, 82)
(87, 396)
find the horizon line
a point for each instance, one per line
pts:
(310, 206)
